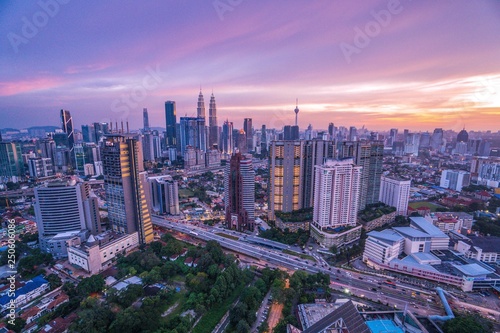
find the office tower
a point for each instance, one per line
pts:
(171, 120)
(460, 148)
(212, 158)
(79, 158)
(148, 148)
(67, 127)
(425, 140)
(314, 152)
(164, 195)
(88, 133)
(336, 202)
(405, 135)
(46, 148)
(296, 112)
(287, 132)
(263, 141)
(247, 127)
(40, 167)
(352, 133)
(437, 139)
(463, 136)
(192, 133)
(241, 141)
(285, 176)
(227, 137)
(11, 161)
(156, 144)
(239, 193)
(64, 210)
(393, 136)
(331, 131)
(395, 192)
(200, 109)
(124, 179)
(412, 143)
(454, 179)
(145, 119)
(100, 129)
(213, 129)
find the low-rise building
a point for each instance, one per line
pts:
(98, 252)
(451, 221)
(27, 292)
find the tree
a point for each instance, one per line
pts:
(93, 284)
(93, 318)
(467, 324)
(54, 281)
(19, 324)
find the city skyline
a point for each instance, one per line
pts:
(419, 67)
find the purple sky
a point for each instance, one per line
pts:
(429, 64)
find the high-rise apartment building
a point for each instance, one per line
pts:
(336, 200)
(239, 193)
(171, 120)
(454, 179)
(64, 210)
(291, 171)
(395, 192)
(368, 155)
(213, 128)
(124, 182)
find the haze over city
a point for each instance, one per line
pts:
(381, 64)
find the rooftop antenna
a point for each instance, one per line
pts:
(127, 127)
(122, 125)
(111, 126)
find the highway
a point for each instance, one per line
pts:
(361, 285)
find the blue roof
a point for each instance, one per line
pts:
(383, 326)
(472, 270)
(30, 285)
(411, 232)
(386, 235)
(427, 227)
(424, 256)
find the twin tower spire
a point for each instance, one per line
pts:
(212, 109)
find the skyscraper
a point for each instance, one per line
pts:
(11, 161)
(213, 129)
(285, 176)
(336, 200)
(395, 192)
(67, 127)
(239, 193)
(437, 139)
(263, 141)
(171, 119)
(227, 137)
(247, 126)
(353, 134)
(200, 110)
(369, 156)
(454, 179)
(145, 119)
(164, 195)
(192, 133)
(331, 129)
(124, 181)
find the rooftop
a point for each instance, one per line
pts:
(422, 224)
(383, 326)
(486, 243)
(472, 270)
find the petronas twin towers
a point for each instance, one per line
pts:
(213, 129)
